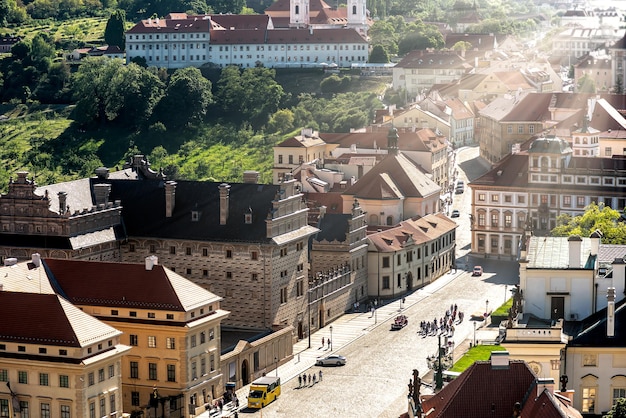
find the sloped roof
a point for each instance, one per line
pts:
(433, 59)
(143, 209)
(333, 227)
(553, 253)
(480, 41)
(595, 333)
(48, 319)
(549, 406)
(420, 230)
(482, 391)
(394, 177)
(113, 284)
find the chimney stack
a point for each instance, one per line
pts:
(62, 202)
(596, 238)
(610, 312)
(499, 359)
(251, 176)
(575, 244)
(545, 383)
(224, 196)
(36, 259)
(170, 198)
(102, 192)
(151, 261)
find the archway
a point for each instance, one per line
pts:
(409, 281)
(245, 374)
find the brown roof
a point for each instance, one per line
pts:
(482, 391)
(394, 177)
(407, 140)
(113, 284)
(31, 318)
(480, 41)
(420, 230)
(549, 406)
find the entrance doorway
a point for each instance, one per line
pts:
(409, 281)
(557, 307)
(300, 330)
(245, 373)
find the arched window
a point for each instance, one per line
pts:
(353, 10)
(297, 9)
(373, 219)
(389, 220)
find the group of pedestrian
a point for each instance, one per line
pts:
(305, 380)
(325, 341)
(444, 325)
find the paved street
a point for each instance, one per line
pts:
(380, 361)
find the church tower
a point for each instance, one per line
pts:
(357, 14)
(298, 13)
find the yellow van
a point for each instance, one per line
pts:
(263, 391)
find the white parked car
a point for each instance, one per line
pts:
(331, 360)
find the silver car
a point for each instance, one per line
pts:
(331, 360)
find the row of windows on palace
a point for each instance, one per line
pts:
(282, 59)
(64, 382)
(222, 48)
(62, 351)
(228, 253)
(408, 255)
(551, 200)
(171, 369)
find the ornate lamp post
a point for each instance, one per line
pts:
(331, 338)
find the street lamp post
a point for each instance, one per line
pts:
(331, 338)
(487, 308)
(375, 311)
(276, 361)
(505, 289)
(474, 333)
(309, 315)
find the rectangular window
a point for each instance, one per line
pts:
(567, 201)
(481, 219)
(229, 253)
(520, 129)
(580, 201)
(170, 343)
(151, 315)
(4, 375)
(152, 371)
(608, 152)
(202, 366)
(188, 251)
(92, 410)
(134, 340)
(521, 199)
(45, 410)
(508, 220)
(194, 371)
(112, 404)
(589, 400)
(111, 370)
(103, 407)
(254, 255)
(618, 393)
(211, 334)
(134, 370)
(22, 377)
(193, 341)
(152, 341)
(64, 381)
(172, 250)
(171, 373)
(495, 197)
(212, 362)
(386, 262)
(24, 409)
(205, 252)
(386, 284)
(300, 288)
(101, 375)
(283, 295)
(134, 398)
(481, 197)
(152, 248)
(4, 408)
(90, 379)
(65, 411)
(202, 337)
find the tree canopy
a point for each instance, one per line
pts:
(618, 410)
(596, 217)
(114, 31)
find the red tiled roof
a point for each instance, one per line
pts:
(482, 391)
(432, 59)
(113, 284)
(32, 318)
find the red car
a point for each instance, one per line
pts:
(400, 322)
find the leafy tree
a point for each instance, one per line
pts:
(54, 85)
(187, 98)
(114, 32)
(281, 121)
(134, 94)
(42, 51)
(226, 6)
(91, 88)
(618, 410)
(385, 33)
(250, 95)
(422, 37)
(461, 46)
(379, 55)
(586, 84)
(5, 8)
(596, 216)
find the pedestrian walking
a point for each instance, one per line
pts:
(314, 378)
(329, 343)
(309, 378)
(299, 380)
(323, 340)
(320, 375)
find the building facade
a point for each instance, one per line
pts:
(180, 40)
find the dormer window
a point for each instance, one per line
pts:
(248, 218)
(195, 216)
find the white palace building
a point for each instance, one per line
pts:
(180, 40)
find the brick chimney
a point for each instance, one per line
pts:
(102, 192)
(251, 176)
(170, 198)
(610, 312)
(224, 197)
(575, 244)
